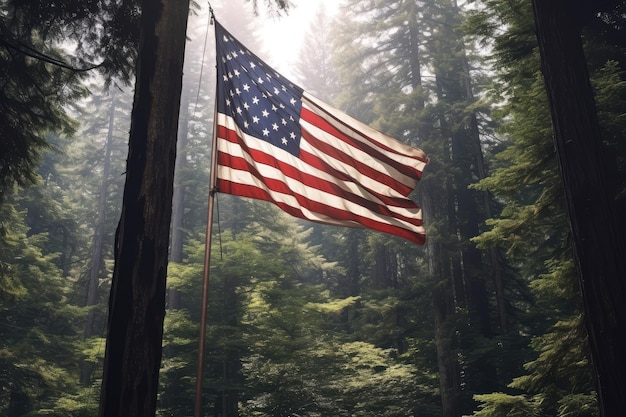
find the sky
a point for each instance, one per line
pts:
(279, 37)
(288, 31)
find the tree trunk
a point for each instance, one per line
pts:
(443, 306)
(442, 268)
(178, 200)
(137, 300)
(93, 283)
(96, 250)
(596, 217)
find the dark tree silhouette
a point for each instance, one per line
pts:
(137, 300)
(589, 179)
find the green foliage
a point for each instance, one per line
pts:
(532, 226)
(499, 404)
(38, 355)
(306, 319)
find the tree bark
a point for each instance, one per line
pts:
(137, 300)
(596, 217)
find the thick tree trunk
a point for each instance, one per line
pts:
(596, 217)
(137, 301)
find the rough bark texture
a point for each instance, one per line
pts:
(596, 217)
(137, 300)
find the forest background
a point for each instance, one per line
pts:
(304, 319)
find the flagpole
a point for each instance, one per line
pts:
(207, 265)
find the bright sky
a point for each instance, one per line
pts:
(288, 31)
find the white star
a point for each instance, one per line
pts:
(237, 91)
(245, 124)
(284, 140)
(284, 122)
(255, 119)
(266, 132)
(246, 87)
(292, 135)
(292, 101)
(228, 102)
(239, 111)
(274, 108)
(255, 100)
(245, 105)
(237, 73)
(260, 80)
(276, 90)
(225, 78)
(265, 113)
(274, 126)
(252, 65)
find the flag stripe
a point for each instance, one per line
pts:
(357, 166)
(365, 159)
(409, 160)
(245, 184)
(333, 217)
(319, 171)
(323, 206)
(249, 155)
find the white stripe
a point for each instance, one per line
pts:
(246, 178)
(311, 193)
(360, 187)
(404, 154)
(358, 155)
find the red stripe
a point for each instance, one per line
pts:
(348, 160)
(346, 217)
(237, 163)
(317, 182)
(245, 190)
(322, 123)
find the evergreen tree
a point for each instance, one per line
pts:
(532, 226)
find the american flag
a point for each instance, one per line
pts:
(277, 143)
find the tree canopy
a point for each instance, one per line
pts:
(487, 319)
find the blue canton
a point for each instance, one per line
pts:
(263, 103)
